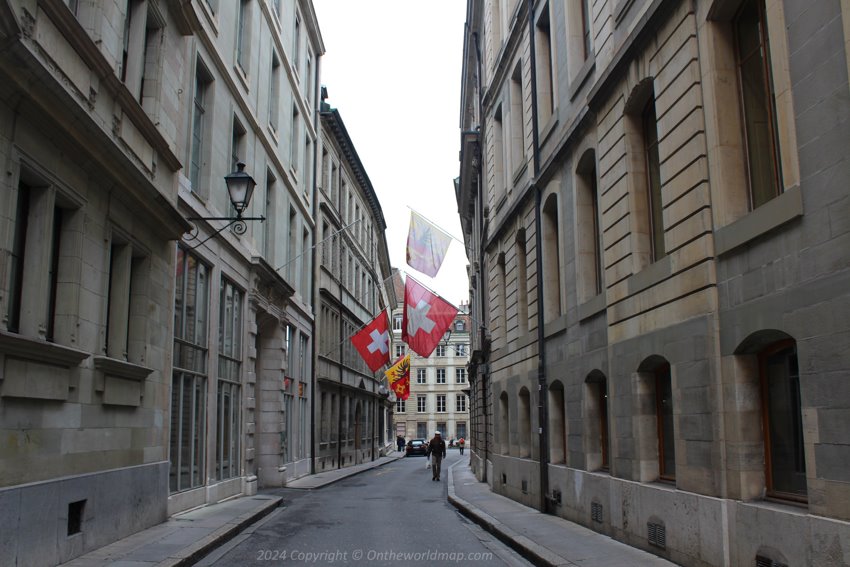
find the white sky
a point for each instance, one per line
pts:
(392, 69)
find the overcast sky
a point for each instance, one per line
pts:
(392, 69)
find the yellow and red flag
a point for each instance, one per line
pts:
(398, 376)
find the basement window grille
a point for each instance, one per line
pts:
(762, 561)
(596, 512)
(657, 535)
(75, 517)
(525, 487)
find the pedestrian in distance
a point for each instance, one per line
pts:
(400, 442)
(437, 450)
(460, 444)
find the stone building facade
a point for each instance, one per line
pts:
(153, 356)
(351, 403)
(242, 385)
(439, 388)
(649, 195)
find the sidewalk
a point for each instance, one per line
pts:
(542, 539)
(185, 538)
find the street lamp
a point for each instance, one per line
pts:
(240, 189)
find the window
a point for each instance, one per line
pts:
(228, 400)
(557, 423)
(499, 162)
(543, 60)
(460, 402)
(579, 36)
(237, 146)
(400, 406)
(552, 260)
(504, 433)
(503, 298)
(296, 43)
(440, 351)
(397, 322)
(585, 29)
(189, 380)
(127, 279)
(589, 234)
(295, 142)
(459, 325)
(521, 284)
(274, 93)
(421, 430)
(141, 51)
(517, 145)
(441, 376)
(399, 350)
(441, 403)
(460, 375)
(597, 421)
(785, 459)
(758, 106)
(44, 221)
(664, 421)
(524, 417)
(420, 376)
(462, 350)
(653, 181)
(203, 81)
(243, 35)
(421, 403)
(460, 427)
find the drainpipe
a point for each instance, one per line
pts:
(339, 417)
(542, 389)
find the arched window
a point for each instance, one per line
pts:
(785, 461)
(524, 417)
(589, 233)
(557, 424)
(551, 260)
(664, 420)
(597, 422)
(504, 422)
(521, 284)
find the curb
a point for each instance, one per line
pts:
(195, 552)
(530, 550)
(371, 465)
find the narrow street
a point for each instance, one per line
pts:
(390, 515)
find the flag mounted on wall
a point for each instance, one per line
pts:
(398, 376)
(373, 342)
(425, 318)
(426, 245)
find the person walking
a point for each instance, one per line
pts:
(400, 442)
(460, 443)
(437, 449)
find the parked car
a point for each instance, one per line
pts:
(416, 447)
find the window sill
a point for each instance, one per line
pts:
(549, 128)
(581, 77)
(771, 215)
(620, 10)
(649, 276)
(28, 348)
(592, 306)
(36, 369)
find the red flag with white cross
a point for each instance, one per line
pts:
(373, 342)
(426, 317)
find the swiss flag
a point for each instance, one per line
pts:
(373, 342)
(426, 317)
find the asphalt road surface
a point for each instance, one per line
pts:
(390, 515)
